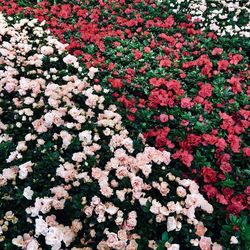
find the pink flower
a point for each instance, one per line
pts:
(132, 245)
(88, 211)
(131, 223)
(205, 243)
(155, 208)
(10, 173)
(137, 183)
(96, 173)
(163, 118)
(47, 50)
(106, 191)
(122, 235)
(200, 229)
(76, 226)
(10, 87)
(164, 188)
(112, 239)
(181, 192)
(216, 246)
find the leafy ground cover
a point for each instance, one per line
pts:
(181, 82)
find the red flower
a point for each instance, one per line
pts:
(82, 13)
(210, 190)
(221, 199)
(184, 156)
(226, 167)
(236, 59)
(210, 139)
(137, 54)
(247, 190)
(169, 21)
(237, 204)
(209, 175)
(221, 144)
(183, 75)
(217, 51)
(165, 63)
(206, 90)
(65, 11)
(246, 151)
(116, 83)
(206, 70)
(236, 85)
(131, 118)
(163, 118)
(155, 82)
(187, 103)
(234, 143)
(176, 86)
(228, 192)
(147, 49)
(223, 65)
(184, 123)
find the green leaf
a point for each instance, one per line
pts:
(227, 228)
(232, 218)
(164, 237)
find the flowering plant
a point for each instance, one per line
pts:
(185, 89)
(70, 174)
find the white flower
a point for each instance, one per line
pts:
(92, 72)
(32, 245)
(69, 59)
(174, 247)
(86, 137)
(24, 169)
(233, 240)
(49, 118)
(41, 226)
(28, 193)
(171, 223)
(54, 238)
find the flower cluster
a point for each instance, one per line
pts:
(8, 218)
(223, 17)
(69, 169)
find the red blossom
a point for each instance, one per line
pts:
(225, 167)
(116, 83)
(221, 199)
(186, 102)
(236, 59)
(165, 63)
(228, 192)
(137, 54)
(209, 175)
(223, 65)
(246, 151)
(185, 157)
(206, 90)
(217, 51)
(235, 142)
(65, 11)
(210, 190)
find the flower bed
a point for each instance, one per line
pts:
(185, 89)
(71, 175)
